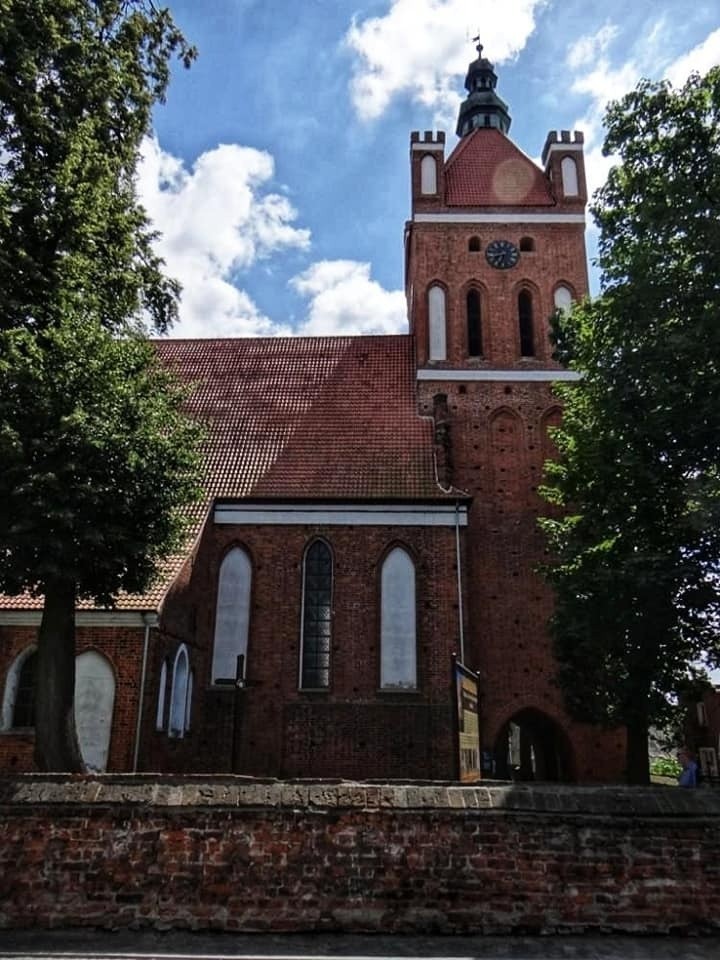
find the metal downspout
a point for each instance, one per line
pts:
(150, 621)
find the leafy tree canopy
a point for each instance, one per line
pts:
(637, 543)
(97, 459)
(78, 81)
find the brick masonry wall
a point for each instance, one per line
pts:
(122, 647)
(352, 729)
(439, 253)
(499, 444)
(243, 855)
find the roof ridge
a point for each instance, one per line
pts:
(313, 338)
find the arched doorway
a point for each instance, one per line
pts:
(532, 746)
(94, 703)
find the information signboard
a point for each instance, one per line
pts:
(466, 693)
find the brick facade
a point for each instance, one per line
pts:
(352, 728)
(495, 419)
(363, 421)
(238, 855)
(122, 647)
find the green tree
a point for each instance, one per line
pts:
(78, 82)
(637, 539)
(98, 465)
(97, 460)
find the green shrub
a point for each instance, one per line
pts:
(665, 767)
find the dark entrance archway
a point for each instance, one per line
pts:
(532, 746)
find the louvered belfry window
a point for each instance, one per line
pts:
(525, 322)
(317, 617)
(474, 324)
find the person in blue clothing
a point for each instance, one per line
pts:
(689, 773)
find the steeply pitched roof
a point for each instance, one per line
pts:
(320, 417)
(487, 169)
(330, 418)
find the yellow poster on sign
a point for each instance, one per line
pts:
(466, 692)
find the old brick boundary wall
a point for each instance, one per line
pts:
(238, 854)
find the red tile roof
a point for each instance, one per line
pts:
(320, 417)
(298, 418)
(486, 169)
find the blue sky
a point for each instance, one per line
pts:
(278, 173)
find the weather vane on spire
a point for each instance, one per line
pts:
(479, 46)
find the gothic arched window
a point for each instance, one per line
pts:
(436, 323)
(162, 693)
(316, 617)
(232, 615)
(474, 324)
(525, 324)
(563, 298)
(20, 687)
(179, 694)
(568, 168)
(398, 642)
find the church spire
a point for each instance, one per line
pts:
(482, 107)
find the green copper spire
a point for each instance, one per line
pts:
(482, 107)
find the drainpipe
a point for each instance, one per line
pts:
(150, 620)
(459, 583)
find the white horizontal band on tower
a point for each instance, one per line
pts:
(534, 376)
(499, 218)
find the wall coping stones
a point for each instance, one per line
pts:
(193, 792)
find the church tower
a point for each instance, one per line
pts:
(494, 246)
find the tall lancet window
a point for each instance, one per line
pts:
(436, 323)
(316, 617)
(398, 642)
(474, 324)
(232, 615)
(179, 694)
(428, 175)
(568, 169)
(525, 323)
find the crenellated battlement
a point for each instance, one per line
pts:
(562, 140)
(430, 140)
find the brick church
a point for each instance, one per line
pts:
(370, 523)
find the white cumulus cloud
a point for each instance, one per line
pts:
(587, 48)
(344, 301)
(420, 47)
(600, 80)
(698, 60)
(216, 220)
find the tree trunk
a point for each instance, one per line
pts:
(56, 743)
(637, 761)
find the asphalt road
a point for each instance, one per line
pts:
(130, 945)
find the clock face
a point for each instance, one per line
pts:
(502, 254)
